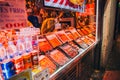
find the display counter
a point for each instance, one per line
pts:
(55, 51)
(65, 53)
(72, 62)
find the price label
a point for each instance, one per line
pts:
(43, 75)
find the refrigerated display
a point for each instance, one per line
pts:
(63, 49)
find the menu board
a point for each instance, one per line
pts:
(54, 41)
(58, 57)
(45, 62)
(74, 5)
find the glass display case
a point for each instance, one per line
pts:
(67, 51)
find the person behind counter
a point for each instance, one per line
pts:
(51, 24)
(57, 24)
(33, 19)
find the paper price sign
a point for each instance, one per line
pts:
(12, 14)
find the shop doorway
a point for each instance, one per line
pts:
(117, 21)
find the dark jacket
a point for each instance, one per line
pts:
(34, 20)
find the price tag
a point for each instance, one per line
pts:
(43, 75)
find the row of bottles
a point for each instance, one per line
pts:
(18, 51)
(16, 57)
(15, 50)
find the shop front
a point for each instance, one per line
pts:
(59, 45)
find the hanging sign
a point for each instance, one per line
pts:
(75, 5)
(12, 14)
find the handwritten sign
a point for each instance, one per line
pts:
(12, 14)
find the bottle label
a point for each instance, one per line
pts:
(19, 65)
(27, 62)
(35, 59)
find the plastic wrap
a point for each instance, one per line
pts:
(69, 50)
(54, 41)
(45, 62)
(59, 57)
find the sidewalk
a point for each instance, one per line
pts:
(113, 65)
(112, 75)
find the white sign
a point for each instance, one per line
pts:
(12, 14)
(43, 75)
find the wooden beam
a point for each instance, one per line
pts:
(108, 30)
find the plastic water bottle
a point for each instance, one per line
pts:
(28, 45)
(7, 65)
(11, 50)
(35, 45)
(2, 52)
(20, 47)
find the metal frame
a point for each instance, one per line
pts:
(72, 61)
(81, 54)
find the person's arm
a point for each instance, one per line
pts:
(47, 25)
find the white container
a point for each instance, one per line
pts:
(2, 52)
(11, 50)
(20, 47)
